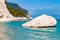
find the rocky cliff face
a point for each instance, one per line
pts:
(4, 13)
(10, 11)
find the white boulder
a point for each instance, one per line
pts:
(41, 21)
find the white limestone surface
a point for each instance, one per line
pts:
(4, 13)
(41, 21)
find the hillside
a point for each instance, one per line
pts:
(16, 10)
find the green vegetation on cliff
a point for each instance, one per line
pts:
(16, 10)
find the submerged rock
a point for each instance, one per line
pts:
(3, 33)
(41, 22)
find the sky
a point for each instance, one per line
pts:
(37, 4)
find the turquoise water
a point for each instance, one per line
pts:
(14, 31)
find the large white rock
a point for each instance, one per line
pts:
(41, 21)
(4, 13)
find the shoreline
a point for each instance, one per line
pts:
(15, 19)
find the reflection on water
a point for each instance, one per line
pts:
(14, 31)
(5, 32)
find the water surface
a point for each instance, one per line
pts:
(14, 31)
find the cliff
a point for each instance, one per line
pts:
(5, 15)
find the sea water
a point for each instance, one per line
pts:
(15, 31)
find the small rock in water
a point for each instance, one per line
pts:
(42, 21)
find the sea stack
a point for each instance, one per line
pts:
(42, 21)
(4, 13)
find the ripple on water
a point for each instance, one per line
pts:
(42, 34)
(15, 31)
